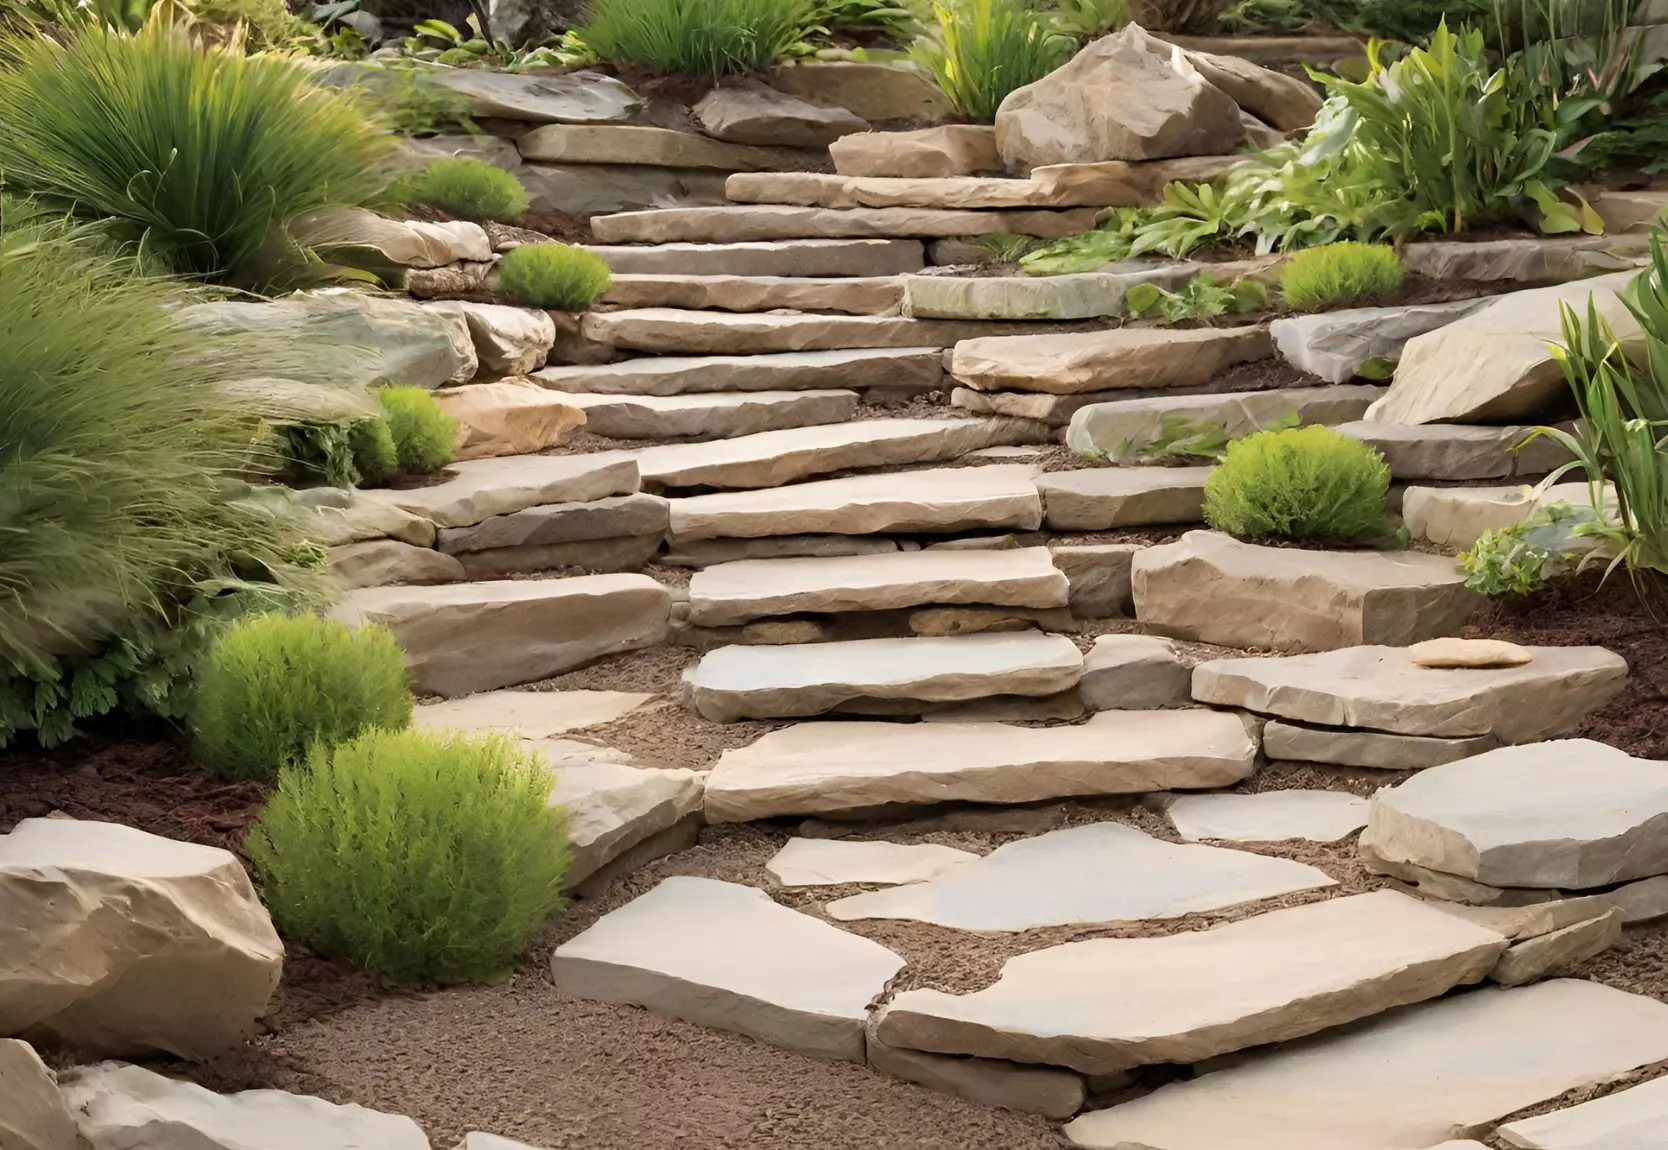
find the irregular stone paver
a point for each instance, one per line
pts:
(722, 955)
(1412, 1078)
(1106, 1005)
(713, 416)
(1060, 879)
(944, 193)
(647, 146)
(1457, 451)
(930, 153)
(380, 562)
(611, 808)
(1367, 748)
(1335, 344)
(462, 638)
(937, 500)
(672, 331)
(1089, 295)
(731, 593)
(753, 682)
(1134, 673)
(120, 942)
(1105, 360)
(1380, 688)
(858, 296)
(1268, 816)
(1212, 588)
(1569, 814)
(508, 418)
(529, 714)
(1102, 498)
(757, 114)
(741, 224)
(809, 370)
(833, 862)
(1044, 1090)
(35, 1117)
(481, 488)
(1456, 517)
(1533, 959)
(1631, 1119)
(1110, 429)
(576, 98)
(813, 768)
(551, 523)
(475, 1140)
(768, 258)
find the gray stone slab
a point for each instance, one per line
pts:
(1455, 452)
(1631, 1119)
(919, 367)
(1374, 749)
(381, 562)
(835, 862)
(1099, 577)
(648, 146)
(1334, 345)
(1135, 673)
(861, 257)
(710, 416)
(1267, 816)
(1534, 958)
(1103, 498)
(1044, 1090)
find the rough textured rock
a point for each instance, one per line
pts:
(482, 488)
(1519, 923)
(815, 768)
(929, 153)
(353, 517)
(1059, 879)
(468, 637)
(552, 523)
(1335, 344)
(1456, 517)
(508, 340)
(592, 556)
(1473, 653)
(1379, 688)
(381, 562)
(611, 808)
(1284, 101)
(756, 114)
(576, 98)
(675, 332)
(1212, 588)
(647, 147)
(1105, 360)
(1088, 295)
(1643, 901)
(1524, 260)
(1413, 1078)
(835, 862)
(874, 91)
(364, 235)
(1124, 97)
(951, 193)
(1119, 184)
(861, 295)
(1455, 452)
(512, 417)
(1099, 577)
(121, 942)
(858, 257)
(1631, 1119)
(1106, 1005)
(759, 222)
(1112, 428)
(587, 190)
(1104, 498)
(1367, 748)
(711, 416)
(35, 1116)
(1044, 1090)
(1267, 816)
(529, 714)
(718, 954)
(920, 368)
(1534, 958)
(1135, 673)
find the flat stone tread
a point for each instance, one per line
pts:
(820, 189)
(529, 714)
(1631, 1119)
(673, 375)
(835, 862)
(684, 331)
(814, 257)
(700, 401)
(478, 489)
(753, 222)
(1268, 816)
(716, 414)
(859, 295)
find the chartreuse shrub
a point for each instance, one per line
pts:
(703, 38)
(417, 854)
(466, 188)
(1299, 483)
(274, 684)
(423, 436)
(1339, 274)
(553, 276)
(982, 50)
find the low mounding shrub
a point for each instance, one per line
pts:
(1339, 273)
(465, 188)
(376, 452)
(553, 276)
(703, 38)
(984, 49)
(423, 436)
(1300, 483)
(417, 854)
(274, 684)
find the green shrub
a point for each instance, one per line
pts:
(1340, 274)
(203, 157)
(274, 684)
(423, 436)
(553, 276)
(1300, 483)
(467, 189)
(704, 38)
(984, 49)
(416, 854)
(340, 453)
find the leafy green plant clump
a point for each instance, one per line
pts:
(466, 188)
(1300, 483)
(1521, 558)
(984, 49)
(1340, 273)
(1201, 298)
(417, 854)
(424, 437)
(275, 684)
(553, 276)
(702, 38)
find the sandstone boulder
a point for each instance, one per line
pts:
(512, 417)
(612, 808)
(875, 91)
(382, 562)
(400, 243)
(508, 340)
(930, 153)
(756, 114)
(477, 490)
(1134, 673)
(1284, 101)
(337, 517)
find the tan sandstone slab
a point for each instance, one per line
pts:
(35, 1116)
(1376, 749)
(1106, 360)
(610, 808)
(711, 416)
(1380, 688)
(753, 113)
(378, 562)
(1103, 498)
(876, 90)
(1112, 428)
(671, 331)
(508, 340)
(1631, 1119)
(477, 490)
(1267, 816)
(1061, 879)
(913, 368)
(731, 593)
(529, 714)
(1086, 295)
(929, 153)
(1456, 517)
(550, 524)
(950, 193)
(856, 257)
(865, 295)
(814, 768)
(723, 955)
(336, 518)
(835, 862)
(1045, 1090)
(649, 146)
(120, 942)
(462, 638)
(1534, 958)
(758, 222)
(1106, 1005)
(1213, 588)
(937, 500)
(508, 418)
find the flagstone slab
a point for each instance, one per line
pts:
(674, 331)
(711, 552)
(529, 714)
(1534, 958)
(1089, 295)
(1103, 498)
(1044, 1090)
(1382, 689)
(510, 417)
(1267, 816)
(1569, 814)
(647, 146)
(478, 489)
(1455, 451)
(556, 523)
(1106, 1005)
(816, 768)
(610, 808)
(380, 562)
(1334, 345)
(1061, 879)
(865, 295)
(723, 955)
(858, 257)
(938, 152)
(946, 193)
(1113, 429)
(1415, 1077)
(1631, 1119)
(755, 222)
(1456, 517)
(1155, 357)
(710, 416)
(919, 368)
(1375, 749)
(835, 862)
(783, 682)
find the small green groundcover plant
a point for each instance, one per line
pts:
(274, 684)
(424, 437)
(1309, 483)
(1339, 274)
(553, 276)
(1202, 298)
(1554, 540)
(982, 50)
(702, 38)
(465, 188)
(422, 855)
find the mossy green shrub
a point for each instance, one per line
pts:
(1339, 274)
(1299, 483)
(424, 437)
(422, 855)
(553, 276)
(465, 188)
(274, 684)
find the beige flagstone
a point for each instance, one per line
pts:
(834, 862)
(481, 488)
(35, 1116)
(611, 808)
(1267, 816)
(761, 222)
(1534, 958)
(622, 516)
(1130, 357)
(671, 331)
(929, 153)
(1451, 652)
(1103, 498)
(1454, 451)
(919, 368)
(1044, 1090)
(866, 295)
(851, 257)
(646, 146)
(529, 714)
(1631, 1119)
(1375, 749)
(1113, 428)
(508, 418)
(713, 416)
(1134, 673)
(380, 562)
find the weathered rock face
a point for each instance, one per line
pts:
(857, 295)
(586, 190)
(338, 517)
(576, 98)
(1273, 97)
(930, 153)
(1105, 360)
(1088, 295)
(1103, 498)
(876, 92)
(399, 243)
(1376, 749)
(1112, 428)
(34, 1116)
(1120, 184)
(710, 416)
(508, 340)
(760, 222)
(919, 369)
(1336, 344)
(1134, 673)
(1525, 260)
(380, 562)
(512, 417)
(1098, 574)
(613, 807)
(856, 257)
(1454, 452)
(1533, 959)
(1124, 97)
(1044, 1090)
(756, 114)
(1456, 517)
(553, 523)
(482, 488)
(124, 943)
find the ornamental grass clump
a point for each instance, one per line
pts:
(701, 38)
(424, 437)
(1340, 273)
(421, 855)
(553, 276)
(274, 684)
(465, 188)
(1300, 483)
(983, 50)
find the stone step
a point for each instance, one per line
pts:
(1456, 452)
(902, 370)
(788, 682)
(773, 458)
(647, 146)
(1104, 498)
(806, 862)
(614, 810)
(941, 499)
(1132, 357)
(477, 490)
(712, 415)
(581, 532)
(752, 224)
(1110, 428)
(799, 258)
(1455, 517)
(1631, 1119)
(1086, 295)
(676, 331)
(728, 594)
(862, 295)
(828, 767)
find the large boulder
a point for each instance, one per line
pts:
(32, 1112)
(1125, 97)
(121, 942)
